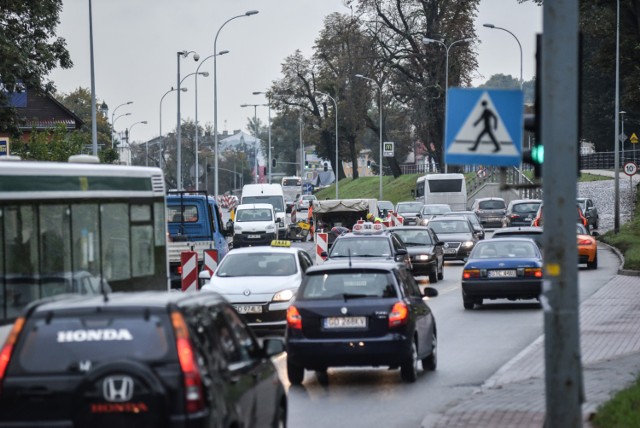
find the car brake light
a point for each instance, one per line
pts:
(584, 241)
(533, 272)
(399, 314)
(294, 320)
(193, 393)
(7, 349)
(515, 216)
(179, 270)
(470, 273)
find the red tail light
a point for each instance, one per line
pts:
(193, 393)
(470, 273)
(533, 272)
(294, 320)
(179, 270)
(399, 314)
(7, 349)
(584, 241)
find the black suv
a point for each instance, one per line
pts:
(154, 359)
(365, 314)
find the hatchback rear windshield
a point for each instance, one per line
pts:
(349, 284)
(492, 204)
(70, 343)
(526, 208)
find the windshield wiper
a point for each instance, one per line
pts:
(346, 296)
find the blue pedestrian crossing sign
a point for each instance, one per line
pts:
(484, 127)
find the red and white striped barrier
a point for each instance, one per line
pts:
(189, 262)
(395, 219)
(322, 245)
(210, 260)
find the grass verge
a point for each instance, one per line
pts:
(627, 241)
(622, 411)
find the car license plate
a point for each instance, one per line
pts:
(450, 251)
(508, 273)
(253, 236)
(248, 309)
(345, 322)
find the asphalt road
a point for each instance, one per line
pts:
(472, 346)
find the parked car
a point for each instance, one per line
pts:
(489, 211)
(587, 247)
(261, 282)
(369, 242)
(521, 212)
(149, 359)
(365, 314)
(532, 232)
(384, 207)
(409, 210)
(457, 234)
(473, 219)
(590, 211)
(425, 250)
(429, 211)
(504, 268)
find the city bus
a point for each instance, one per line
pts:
(450, 189)
(78, 227)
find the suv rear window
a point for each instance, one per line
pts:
(491, 205)
(526, 208)
(357, 284)
(64, 343)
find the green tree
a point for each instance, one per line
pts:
(29, 50)
(54, 145)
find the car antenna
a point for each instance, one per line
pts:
(103, 290)
(349, 253)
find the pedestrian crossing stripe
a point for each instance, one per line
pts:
(484, 127)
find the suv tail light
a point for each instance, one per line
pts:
(399, 314)
(294, 320)
(193, 393)
(7, 349)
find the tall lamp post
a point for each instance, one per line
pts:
(94, 124)
(519, 45)
(113, 124)
(162, 98)
(380, 112)
(335, 103)
(616, 157)
(255, 121)
(426, 41)
(301, 150)
(622, 136)
(215, 97)
(144, 122)
(269, 155)
(112, 120)
(205, 74)
(196, 57)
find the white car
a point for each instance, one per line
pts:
(304, 201)
(261, 282)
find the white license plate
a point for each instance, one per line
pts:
(253, 236)
(450, 251)
(345, 322)
(248, 309)
(508, 273)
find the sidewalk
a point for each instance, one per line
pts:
(515, 395)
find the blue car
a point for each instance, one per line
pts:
(502, 268)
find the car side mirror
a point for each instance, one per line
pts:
(429, 292)
(205, 274)
(402, 252)
(324, 254)
(595, 234)
(419, 215)
(273, 346)
(440, 243)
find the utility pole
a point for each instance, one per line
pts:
(559, 125)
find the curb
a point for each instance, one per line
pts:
(621, 271)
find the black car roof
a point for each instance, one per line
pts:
(145, 299)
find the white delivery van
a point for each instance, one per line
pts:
(254, 224)
(268, 194)
(450, 189)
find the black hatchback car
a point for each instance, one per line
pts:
(425, 250)
(364, 314)
(138, 360)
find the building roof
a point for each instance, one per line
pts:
(41, 110)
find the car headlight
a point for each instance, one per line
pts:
(423, 257)
(271, 227)
(467, 244)
(283, 296)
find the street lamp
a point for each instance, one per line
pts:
(380, 111)
(622, 136)
(301, 149)
(94, 124)
(335, 103)
(215, 96)
(616, 156)
(129, 137)
(255, 121)
(519, 45)
(205, 74)
(269, 155)
(113, 122)
(196, 57)
(426, 41)
(162, 98)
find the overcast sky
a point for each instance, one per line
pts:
(135, 45)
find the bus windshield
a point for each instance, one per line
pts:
(79, 228)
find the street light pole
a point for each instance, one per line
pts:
(335, 103)
(301, 150)
(622, 136)
(519, 45)
(426, 41)
(380, 113)
(616, 157)
(196, 57)
(129, 136)
(269, 155)
(114, 123)
(205, 74)
(160, 130)
(94, 124)
(113, 113)
(215, 97)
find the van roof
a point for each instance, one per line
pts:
(253, 206)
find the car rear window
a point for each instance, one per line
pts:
(526, 208)
(67, 343)
(356, 284)
(493, 204)
(189, 213)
